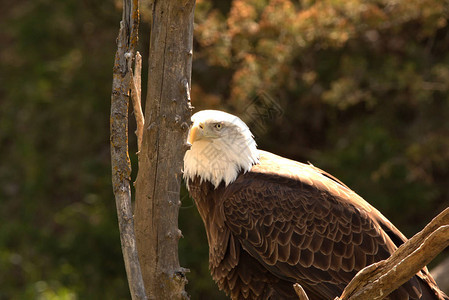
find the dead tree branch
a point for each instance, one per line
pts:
(121, 167)
(379, 279)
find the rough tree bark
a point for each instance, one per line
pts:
(167, 119)
(121, 167)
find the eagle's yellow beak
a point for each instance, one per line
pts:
(195, 133)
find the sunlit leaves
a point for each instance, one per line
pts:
(337, 64)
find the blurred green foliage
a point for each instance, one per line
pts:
(364, 92)
(58, 234)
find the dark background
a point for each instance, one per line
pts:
(358, 88)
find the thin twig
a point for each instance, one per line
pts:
(439, 273)
(136, 91)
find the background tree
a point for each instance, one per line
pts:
(363, 88)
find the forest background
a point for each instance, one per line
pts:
(358, 88)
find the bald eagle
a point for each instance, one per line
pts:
(272, 222)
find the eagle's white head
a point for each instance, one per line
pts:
(222, 146)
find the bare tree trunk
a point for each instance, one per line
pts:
(167, 119)
(121, 167)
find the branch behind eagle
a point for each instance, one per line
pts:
(272, 222)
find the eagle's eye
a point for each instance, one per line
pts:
(218, 125)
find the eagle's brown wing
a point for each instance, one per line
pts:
(301, 230)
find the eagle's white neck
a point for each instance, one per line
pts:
(220, 160)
